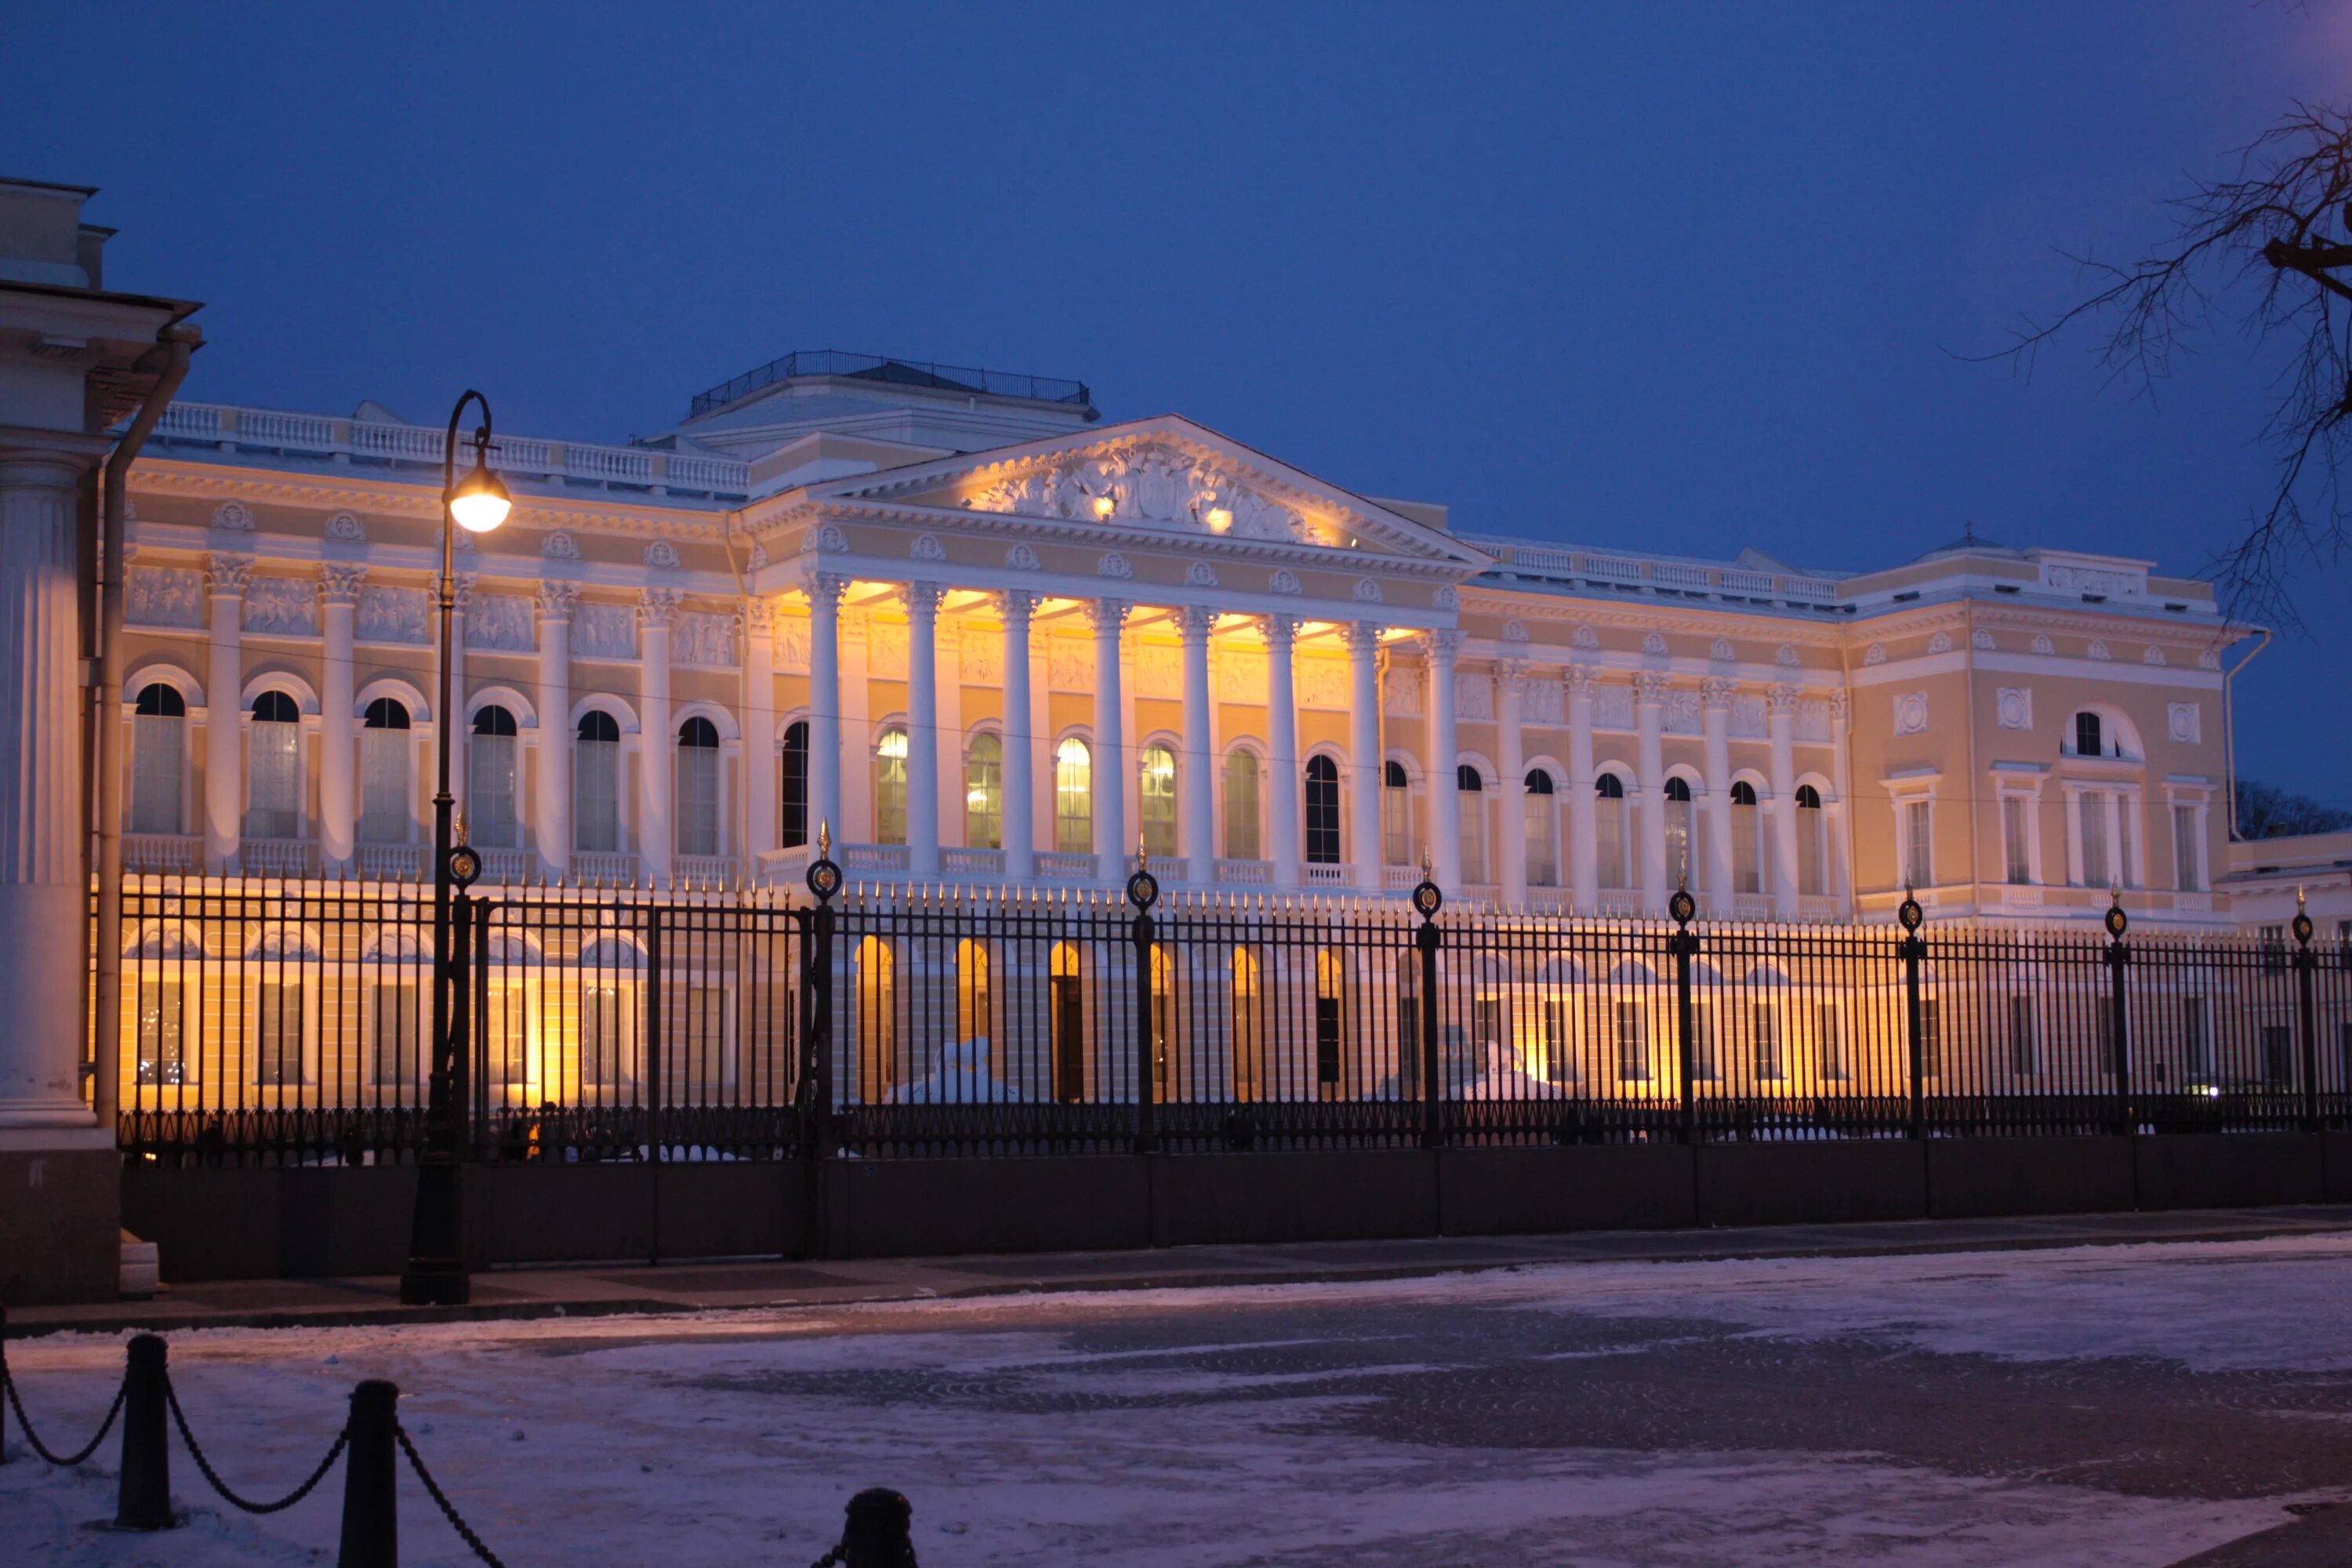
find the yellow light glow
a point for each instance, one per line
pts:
(1220, 519)
(1105, 506)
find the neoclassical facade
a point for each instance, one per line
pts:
(984, 637)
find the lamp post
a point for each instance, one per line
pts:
(435, 1274)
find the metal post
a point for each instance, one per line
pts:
(2307, 971)
(1429, 938)
(2118, 1015)
(817, 1036)
(1142, 892)
(878, 1532)
(370, 1512)
(654, 1055)
(1684, 945)
(1913, 952)
(143, 1497)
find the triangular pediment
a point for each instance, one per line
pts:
(1161, 475)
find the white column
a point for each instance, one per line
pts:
(1511, 789)
(1781, 704)
(856, 822)
(1284, 779)
(1583, 823)
(1365, 763)
(948, 789)
(762, 819)
(1444, 843)
(825, 590)
(658, 747)
(339, 593)
(1020, 836)
(1714, 699)
(1837, 869)
(1649, 708)
(42, 923)
(1039, 664)
(557, 601)
(225, 580)
(922, 601)
(1196, 782)
(1111, 763)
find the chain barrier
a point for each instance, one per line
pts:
(33, 1439)
(448, 1509)
(180, 1419)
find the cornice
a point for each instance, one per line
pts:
(1653, 615)
(390, 498)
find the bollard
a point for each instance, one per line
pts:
(371, 1526)
(144, 1497)
(875, 1534)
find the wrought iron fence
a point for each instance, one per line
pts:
(287, 1023)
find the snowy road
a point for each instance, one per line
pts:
(2124, 1405)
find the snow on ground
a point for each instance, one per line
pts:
(2118, 1404)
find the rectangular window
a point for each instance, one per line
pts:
(503, 1037)
(2024, 1040)
(383, 786)
(1157, 792)
(1828, 1026)
(490, 818)
(1486, 1029)
(1931, 1039)
(277, 1029)
(2196, 1039)
(2187, 850)
(1474, 836)
(1632, 1042)
(2091, 833)
(2015, 848)
(1241, 806)
(1812, 850)
(393, 1035)
(596, 796)
(1559, 1066)
(983, 794)
(1706, 1062)
(1747, 875)
(697, 800)
(1919, 846)
(1408, 994)
(164, 1059)
(608, 1037)
(1543, 853)
(157, 767)
(1396, 826)
(1609, 841)
(1326, 1041)
(1769, 1065)
(274, 788)
(706, 1046)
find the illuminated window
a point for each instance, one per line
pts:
(1540, 803)
(791, 797)
(2017, 848)
(1073, 798)
(983, 794)
(2187, 850)
(1812, 842)
(1772, 1064)
(1609, 830)
(159, 760)
(395, 1033)
(971, 992)
(1067, 1017)
(278, 1060)
(1243, 841)
(596, 784)
(1322, 811)
(491, 819)
(274, 768)
(891, 786)
(698, 787)
(384, 753)
(1248, 1024)
(1918, 845)
(1472, 788)
(164, 1059)
(1396, 814)
(1681, 832)
(874, 1021)
(1157, 786)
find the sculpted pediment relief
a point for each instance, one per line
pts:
(1153, 484)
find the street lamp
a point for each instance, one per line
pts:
(435, 1274)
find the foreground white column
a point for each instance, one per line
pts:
(760, 821)
(1110, 762)
(1444, 758)
(1714, 697)
(225, 580)
(657, 740)
(42, 923)
(553, 831)
(1196, 782)
(1365, 763)
(1782, 724)
(922, 600)
(339, 593)
(1649, 712)
(1584, 823)
(1018, 823)
(824, 590)
(1511, 789)
(1285, 782)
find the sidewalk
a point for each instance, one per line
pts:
(719, 1285)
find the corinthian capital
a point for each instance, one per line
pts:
(922, 599)
(558, 600)
(656, 606)
(1781, 697)
(1650, 686)
(1443, 644)
(226, 574)
(338, 583)
(1716, 691)
(1511, 675)
(1016, 604)
(1583, 681)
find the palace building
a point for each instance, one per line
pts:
(988, 636)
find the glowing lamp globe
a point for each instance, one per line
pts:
(481, 502)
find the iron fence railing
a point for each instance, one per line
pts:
(286, 1022)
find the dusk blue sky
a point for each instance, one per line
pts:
(1677, 277)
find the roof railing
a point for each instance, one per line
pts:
(895, 372)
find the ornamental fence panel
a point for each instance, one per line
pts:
(292, 1023)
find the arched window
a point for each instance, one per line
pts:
(490, 771)
(1243, 841)
(698, 787)
(1248, 1031)
(891, 786)
(2089, 736)
(273, 779)
(983, 794)
(1746, 848)
(1472, 788)
(1396, 814)
(971, 1004)
(1157, 789)
(1322, 812)
(159, 760)
(1812, 843)
(1073, 798)
(874, 1026)
(1543, 831)
(384, 753)
(1681, 834)
(792, 797)
(1609, 830)
(596, 784)
(1066, 996)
